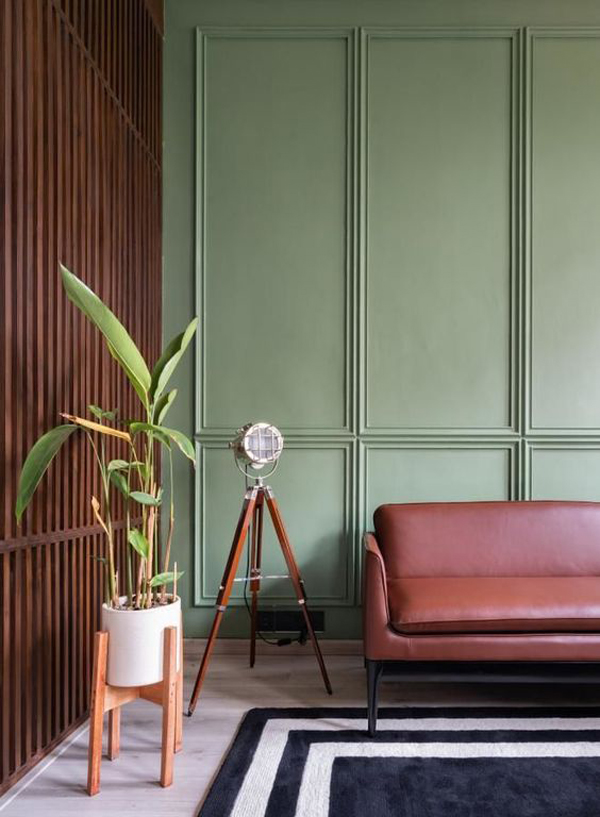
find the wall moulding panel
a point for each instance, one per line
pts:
(567, 469)
(314, 486)
(275, 167)
(439, 203)
(563, 242)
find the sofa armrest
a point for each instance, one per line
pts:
(375, 599)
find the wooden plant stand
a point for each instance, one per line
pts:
(167, 693)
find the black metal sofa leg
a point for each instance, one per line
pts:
(374, 670)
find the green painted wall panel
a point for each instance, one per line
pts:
(438, 279)
(565, 142)
(415, 203)
(565, 473)
(275, 160)
(317, 528)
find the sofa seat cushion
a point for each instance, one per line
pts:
(495, 605)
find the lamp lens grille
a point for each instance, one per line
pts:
(263, 443)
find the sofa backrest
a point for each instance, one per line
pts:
(490, 539)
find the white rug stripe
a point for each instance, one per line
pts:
(315, 790)
(255, 791)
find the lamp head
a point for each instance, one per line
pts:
(257, 445)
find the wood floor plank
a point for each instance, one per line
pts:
(279, 678)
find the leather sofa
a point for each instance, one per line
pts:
(450, 584)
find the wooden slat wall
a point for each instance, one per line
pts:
(80, 182)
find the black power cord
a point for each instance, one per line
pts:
(258, 632)
(281, 642)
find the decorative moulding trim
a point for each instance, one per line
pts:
(227, 433)
(531, 34)
(561, 32)
(309, 433)
(407, 432)
(400, 434)
(203, 597)
(444, 32)
(566, 444)
(515, 36)
(350, 35)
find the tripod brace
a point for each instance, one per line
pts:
(255, 499)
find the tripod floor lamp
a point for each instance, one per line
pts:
(256, 445)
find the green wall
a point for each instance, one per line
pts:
(386, 215)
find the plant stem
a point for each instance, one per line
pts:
(171, 524)
(141, 566)
(106, 586)
(127, 545)
(138, 589)
(111, 546)
(109, 529)
(150, 554)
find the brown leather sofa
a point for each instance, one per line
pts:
(480, 582)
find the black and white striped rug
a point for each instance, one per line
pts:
(426, 762)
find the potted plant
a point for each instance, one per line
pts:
(136, 618)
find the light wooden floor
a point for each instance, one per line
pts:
(282, 677)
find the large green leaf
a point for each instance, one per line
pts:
(118, 465)
(148, 428)
(168, 361)
(118, 338)
(101, 414)
(164, 578)
(140, 390)
(185, 445)
(119, 481)
(179, 438)
(144, 498)
(38, 460)
(139, 543)
(162, 405)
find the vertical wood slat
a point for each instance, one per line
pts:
(80, 181)
(6, 99)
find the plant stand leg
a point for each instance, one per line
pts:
(97, 712)
(169, 703)
(114, 733)
(179, 701)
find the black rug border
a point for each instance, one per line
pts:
(221, 795)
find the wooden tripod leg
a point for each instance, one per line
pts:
(257, 529)
(169, 696)
(225, 589)
(97, 712)
(296, 578)
(114, 733)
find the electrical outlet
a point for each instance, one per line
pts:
(273, 620)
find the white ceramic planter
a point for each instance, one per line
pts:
(135, 643)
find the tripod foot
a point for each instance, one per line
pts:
(189, 713)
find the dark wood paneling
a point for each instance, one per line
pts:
(80, 173)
